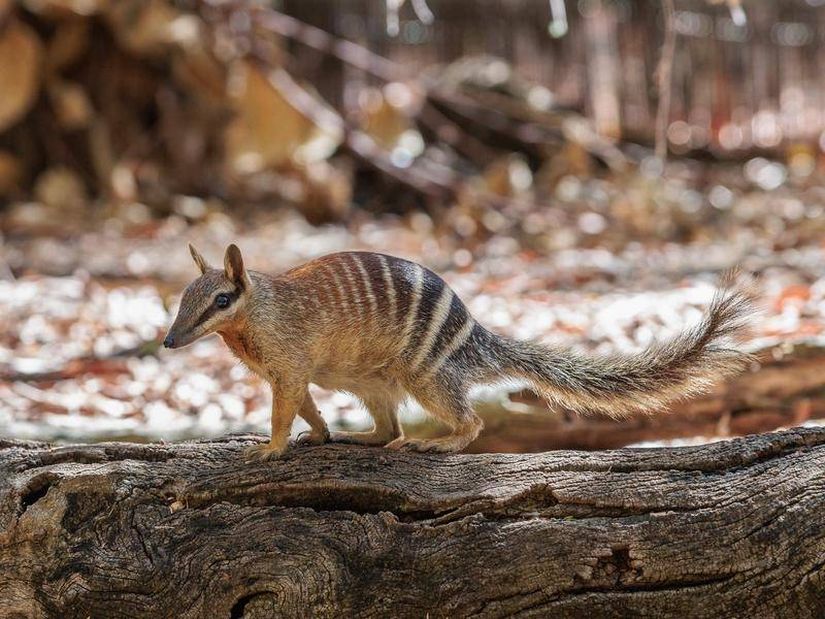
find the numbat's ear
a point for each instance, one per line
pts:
(233, 266)
(203, 265)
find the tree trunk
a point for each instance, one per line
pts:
(731, 529)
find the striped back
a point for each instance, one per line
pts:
(436, 321)
(424, 317)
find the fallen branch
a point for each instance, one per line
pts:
(113, 363)
(489, 120)
(438, 185)
(730, 529)
(347, 52)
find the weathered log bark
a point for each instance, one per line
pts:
(732, 529)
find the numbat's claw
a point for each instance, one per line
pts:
(308, 437)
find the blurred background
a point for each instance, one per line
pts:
(580, 171)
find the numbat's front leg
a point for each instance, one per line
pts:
(287, 400)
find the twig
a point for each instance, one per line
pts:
(350, 53)
(91, 364)
(433, 121)
(664, 71)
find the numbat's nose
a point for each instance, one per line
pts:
(169, 342)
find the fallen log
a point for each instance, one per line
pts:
(731, 529)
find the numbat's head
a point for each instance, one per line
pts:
(212, 301)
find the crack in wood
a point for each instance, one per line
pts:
(35, 490)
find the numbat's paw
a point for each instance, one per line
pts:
(419, 445)
(263, 452)
(311, 437)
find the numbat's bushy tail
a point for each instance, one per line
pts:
(624, 383)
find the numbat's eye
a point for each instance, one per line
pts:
(222, 300)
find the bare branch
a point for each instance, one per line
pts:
(664, 70)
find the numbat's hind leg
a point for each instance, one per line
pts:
(383, 408)
(450, 405)
(319, 432)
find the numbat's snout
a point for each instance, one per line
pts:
(384, 328)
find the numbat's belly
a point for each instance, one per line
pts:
(354, 377)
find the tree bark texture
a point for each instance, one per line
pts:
(730, 529)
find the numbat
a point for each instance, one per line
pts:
(384, 328)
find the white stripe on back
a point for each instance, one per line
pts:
(390, 286)
(412, 310)
(442, 310)
(341, 292)
(354, 287)
(457, 342)
(365, 277)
